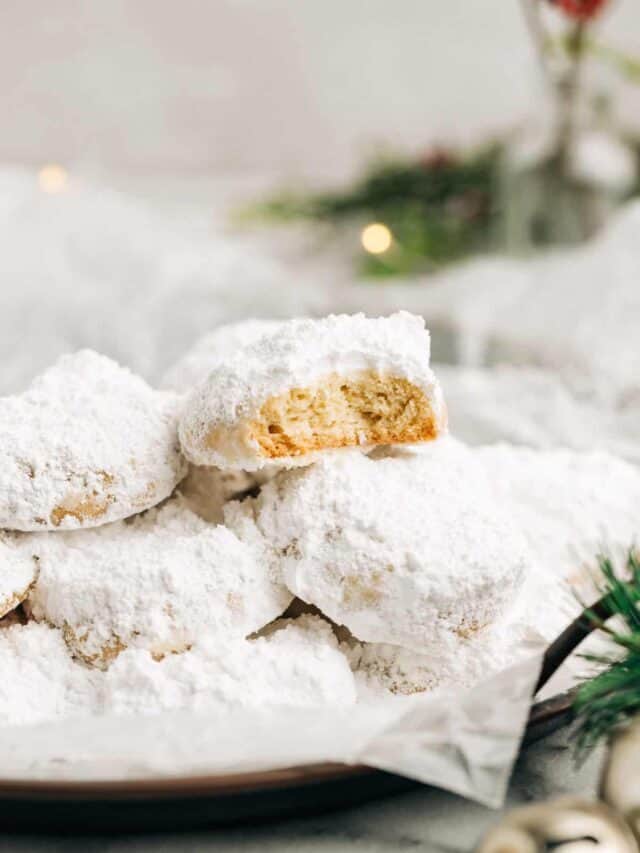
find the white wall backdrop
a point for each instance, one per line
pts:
(293, 86)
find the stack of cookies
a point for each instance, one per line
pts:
(163, 543)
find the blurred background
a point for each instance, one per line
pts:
(168, 168)
(282, 87)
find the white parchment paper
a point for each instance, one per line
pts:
(463, 740)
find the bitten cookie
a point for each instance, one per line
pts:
(315, 385)
(406, 548)
(88, 442)
(156, 582)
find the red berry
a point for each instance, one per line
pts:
(581, 10)
(436, 158)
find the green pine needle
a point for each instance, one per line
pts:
(612, 697)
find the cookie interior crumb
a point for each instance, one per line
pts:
(343, 411)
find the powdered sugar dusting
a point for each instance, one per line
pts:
(87, 443)
(156, 582)
(298, 665)
(405, 548)
(18, 572)
(198, 362)
(38, 678)
(542, 609)
(570, 506)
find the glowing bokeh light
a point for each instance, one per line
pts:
(376, 238)
(52, 178)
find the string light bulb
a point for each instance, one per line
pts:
(52, 178)
(376, 238)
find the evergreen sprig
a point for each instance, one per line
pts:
(612, 697)
(441, 207)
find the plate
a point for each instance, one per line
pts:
(204, 801)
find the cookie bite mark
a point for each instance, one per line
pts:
(340, 411)
(315, 385)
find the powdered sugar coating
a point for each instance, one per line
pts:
(570, 506)
(87, 443)
(18, 572)
(156, 582)
(544, 606)
(39, 680)
(403, 548)
(299, 353)
(206, 490)
(297, 664)
(198, 362)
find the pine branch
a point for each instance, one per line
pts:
(612, 697)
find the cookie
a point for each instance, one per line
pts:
(315, 385)
(408, 547)
(87, 443)
(156, 582)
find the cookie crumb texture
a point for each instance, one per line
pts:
(87, 443)
(315, 385)
(343, 412)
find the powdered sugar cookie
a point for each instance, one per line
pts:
(542, 609)
(18, 572)
(297, 664)
(404, 549)
(196, 364)
(156, 582)
(87, 443)
(315, 385)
